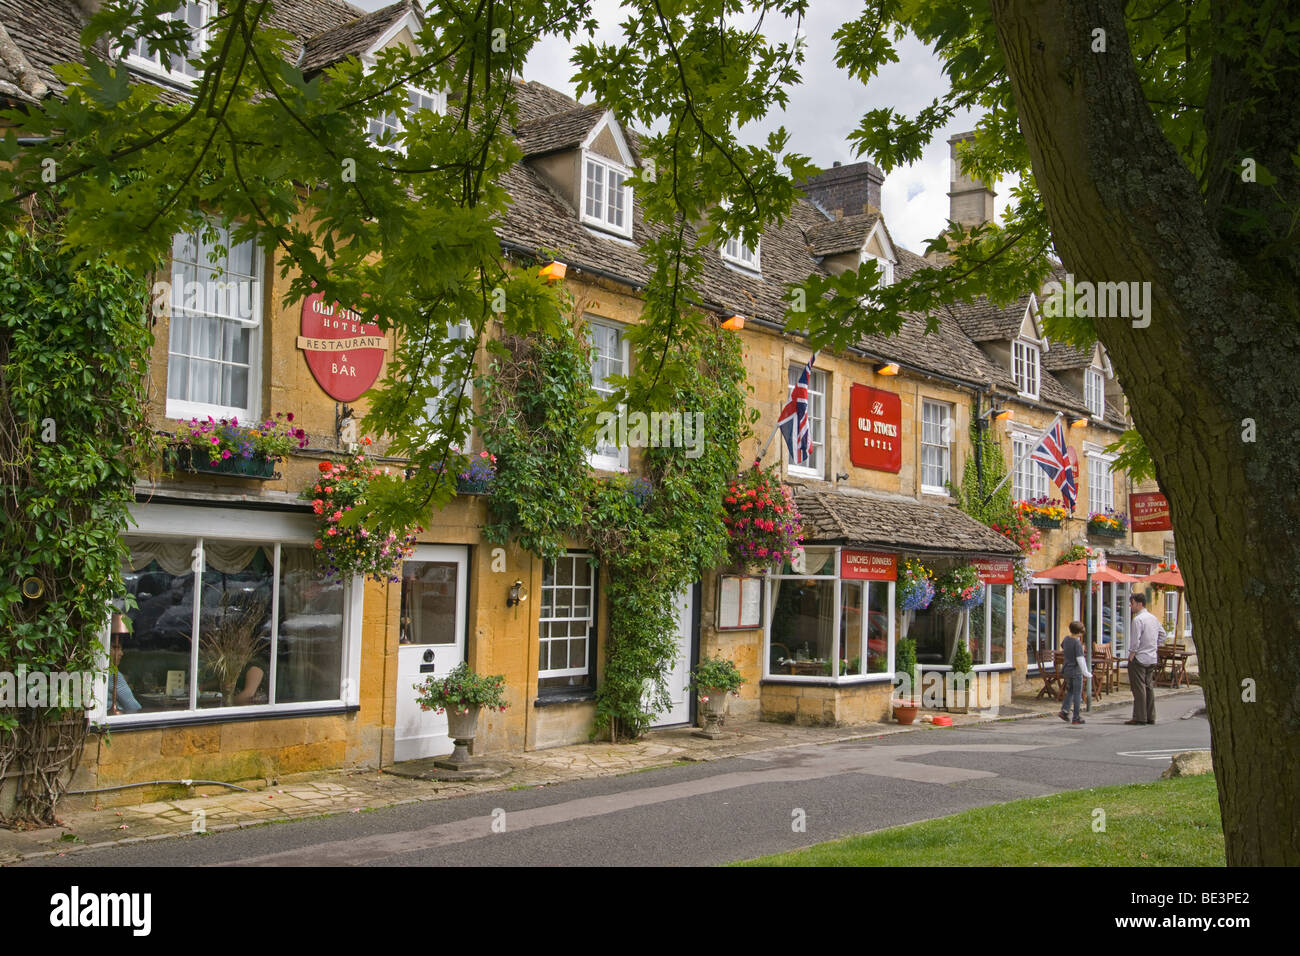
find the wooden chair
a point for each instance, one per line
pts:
(1053, 684)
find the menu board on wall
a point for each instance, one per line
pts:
(740, 601)
(875, 429)
(1149, 511)
(868, 566)
(994, 570)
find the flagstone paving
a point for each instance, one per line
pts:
(356, 791)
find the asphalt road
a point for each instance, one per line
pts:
(712, 812)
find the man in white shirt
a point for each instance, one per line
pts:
(1144, 639)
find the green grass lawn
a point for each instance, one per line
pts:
(1167, 823)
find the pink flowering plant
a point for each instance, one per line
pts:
(343, 540)
(1019, 528)
(222, 439)
(959, 589)
(716, 675)
(462, 690)
(764, 525)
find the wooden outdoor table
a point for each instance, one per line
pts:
(1171, 666)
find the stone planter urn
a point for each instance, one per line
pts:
(715, 712)
(461, 728)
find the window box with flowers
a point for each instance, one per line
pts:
(1108, 523)
(1043, 512)
(478, 476)
(764, 525)
(347, 545)
(225, 447)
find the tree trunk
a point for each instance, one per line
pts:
(1212, 380)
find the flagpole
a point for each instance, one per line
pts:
(1032, 448)
(777, 427)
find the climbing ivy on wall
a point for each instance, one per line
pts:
(984, 469)
(74, 347)
(653, 536)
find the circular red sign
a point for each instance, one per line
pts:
(344, 352)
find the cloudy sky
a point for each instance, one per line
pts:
(825, 109)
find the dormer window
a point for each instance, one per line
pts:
(1094, 392)
(886, 268)
(737, 253)
(606, 201)
(1025, 364)
(386, 129)
(195, 14)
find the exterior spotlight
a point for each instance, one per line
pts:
(887, 368)
(1079, 423)
(1003, 415)
(553, 271)
(735, 323)
(518, 594)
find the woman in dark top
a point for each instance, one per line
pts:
(1074, 669)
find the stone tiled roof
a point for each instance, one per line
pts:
(535, 101)
(903, 524)
(564, 130)
(352, 38)
(1063, 357)
(983, 321)
(841, 235)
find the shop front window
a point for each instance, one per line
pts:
(1042, 633)
(226, 624)
(812, 634)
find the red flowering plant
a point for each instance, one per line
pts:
(761, 518)
(344, 541)
(1018, 528)
(462, 690)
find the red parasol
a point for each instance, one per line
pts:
(1078, 571)
(1165, 579)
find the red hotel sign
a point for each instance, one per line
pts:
(1149, 511)
(875, 429)
(994, 570)
(344, 352)
(868, 566)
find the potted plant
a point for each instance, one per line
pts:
(348, 546)
(763, 524)
(1108, 524)
(907, 702)
(461, 695)
(714, 678)
(960, 683)
(225, 447)
(959, 589)
(477, 478)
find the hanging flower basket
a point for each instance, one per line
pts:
(763, 523)
(915, 588)
(959, 589)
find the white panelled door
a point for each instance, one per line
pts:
(679, 681)
(432, 641)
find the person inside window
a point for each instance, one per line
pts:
(251, 681)
(124, 701)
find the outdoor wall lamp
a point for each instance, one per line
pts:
(553, 271)
(734, 323)
(841, 476)
(119, 625)
(518, 594)
(1079, 423)
(887, 368)
(995, 414)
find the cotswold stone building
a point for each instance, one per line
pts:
(816, 642)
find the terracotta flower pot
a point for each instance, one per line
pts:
(905, 711)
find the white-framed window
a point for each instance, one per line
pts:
(449, 390)
(1025, 358)
(1028, 480)
(609, 357)
(1094, 392)
(990, 627)
(386, 129)
(1042, 634)
(214, 338)
(820, 626)
(606, 201)
(886, 268)
(567, 624)
(936, 446)
(1101, 485)
(234, 615)
(195, 14)
(815, 465)
(737, 253)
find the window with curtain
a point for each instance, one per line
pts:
(226, 624)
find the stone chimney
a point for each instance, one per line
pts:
(970, 202)
(89, 7)
(847, 190)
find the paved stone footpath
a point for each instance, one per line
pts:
(356, 791)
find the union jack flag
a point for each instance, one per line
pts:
(1053, 455)
(795, 421)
